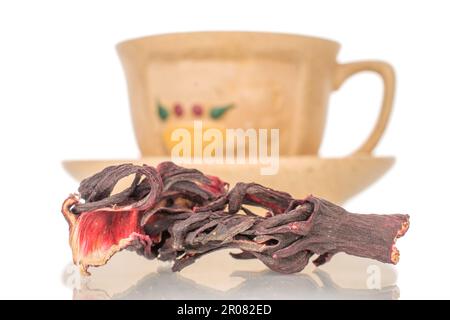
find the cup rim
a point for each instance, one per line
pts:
(289, 40)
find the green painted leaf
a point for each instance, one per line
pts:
(218, 112)
(162, 111)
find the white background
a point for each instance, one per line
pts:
(63, 96)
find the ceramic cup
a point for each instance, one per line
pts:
(240, 80)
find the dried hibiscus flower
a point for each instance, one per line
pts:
(102, 224)
(178, 214)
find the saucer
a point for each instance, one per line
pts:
(335, 179)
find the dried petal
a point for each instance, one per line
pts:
(95, 236)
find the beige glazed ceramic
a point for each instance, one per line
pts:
(240, 80)
(336, 179)
(248, 80)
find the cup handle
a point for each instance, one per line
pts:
(385, 70)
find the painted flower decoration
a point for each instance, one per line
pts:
(216, 112)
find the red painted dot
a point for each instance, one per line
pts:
(178, 110)
(197, 110)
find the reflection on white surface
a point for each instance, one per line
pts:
(218, 276)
